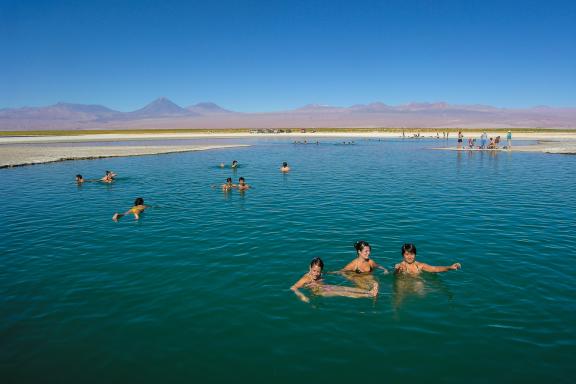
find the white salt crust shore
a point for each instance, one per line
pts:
(19, 155)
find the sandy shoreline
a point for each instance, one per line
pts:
(14, 151)
(19, 155)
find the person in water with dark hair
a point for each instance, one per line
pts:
(136, 210)
(79, 179)
(242, 186)
(362, 263)
(285, 167)
(313, 281)
(228, 185)
(410, 266)
(234, 164)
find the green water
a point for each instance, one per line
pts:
(198, 289)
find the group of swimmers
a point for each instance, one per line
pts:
(242, 185)
(108, 178)
(362, 265)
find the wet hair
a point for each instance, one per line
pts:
(229, 180)
(360, 245)
(408, 248)
(234, 162)
(139, 201)
(241, 179)
(284, 164)
(108, 172)
(79, 176)
(317, 261)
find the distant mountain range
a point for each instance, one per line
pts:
(163, 113)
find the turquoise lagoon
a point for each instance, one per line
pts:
(198, 289)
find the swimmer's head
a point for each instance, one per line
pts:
(241, 180)
(409, 252)
(108, 172)
(362, 249)
(284, 164)
(79, 177)
(316, 267)
(234, 163)
(229, 180)
(139, 201)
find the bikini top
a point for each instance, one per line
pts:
(357, 270)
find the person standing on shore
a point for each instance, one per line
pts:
(509, 139)
(460, 138)
(483, 138)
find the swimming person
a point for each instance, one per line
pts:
(108, 177)
(79, 179)
(242, 186)
(234, 164)
(228, 185)
(136, 210)
(362, 263)
(410, 266)
(313, 281)
(285, 167)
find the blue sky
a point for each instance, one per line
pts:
(275, 55)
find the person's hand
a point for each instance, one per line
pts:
(455, 266)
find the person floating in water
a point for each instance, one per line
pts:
(313, 281)
(410, 266)
(136, 210)
(234, 164)
(79, 179)
(221, 165)
(362, 263)
(228, 186)
(242, 186)
(285, 167)
(108, 177)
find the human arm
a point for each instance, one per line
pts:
(375, 265)
(299, 284)
(436, 269)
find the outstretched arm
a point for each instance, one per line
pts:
(376, 265)
(299, 284)
(436, 269)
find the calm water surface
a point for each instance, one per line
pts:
(198, 289)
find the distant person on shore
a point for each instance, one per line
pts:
(483, 138)
(285, 167)
(79, 179)
(313, 281)
(470, 144)
(234, 164)
(491, 144)
(362, 264)
(136, 210)
(509, 139)
(410, 266)
(242, 186)
(497, 141)
(460, 138)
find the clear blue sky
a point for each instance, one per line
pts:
(270, 55)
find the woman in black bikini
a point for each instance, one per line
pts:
(362, 263)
